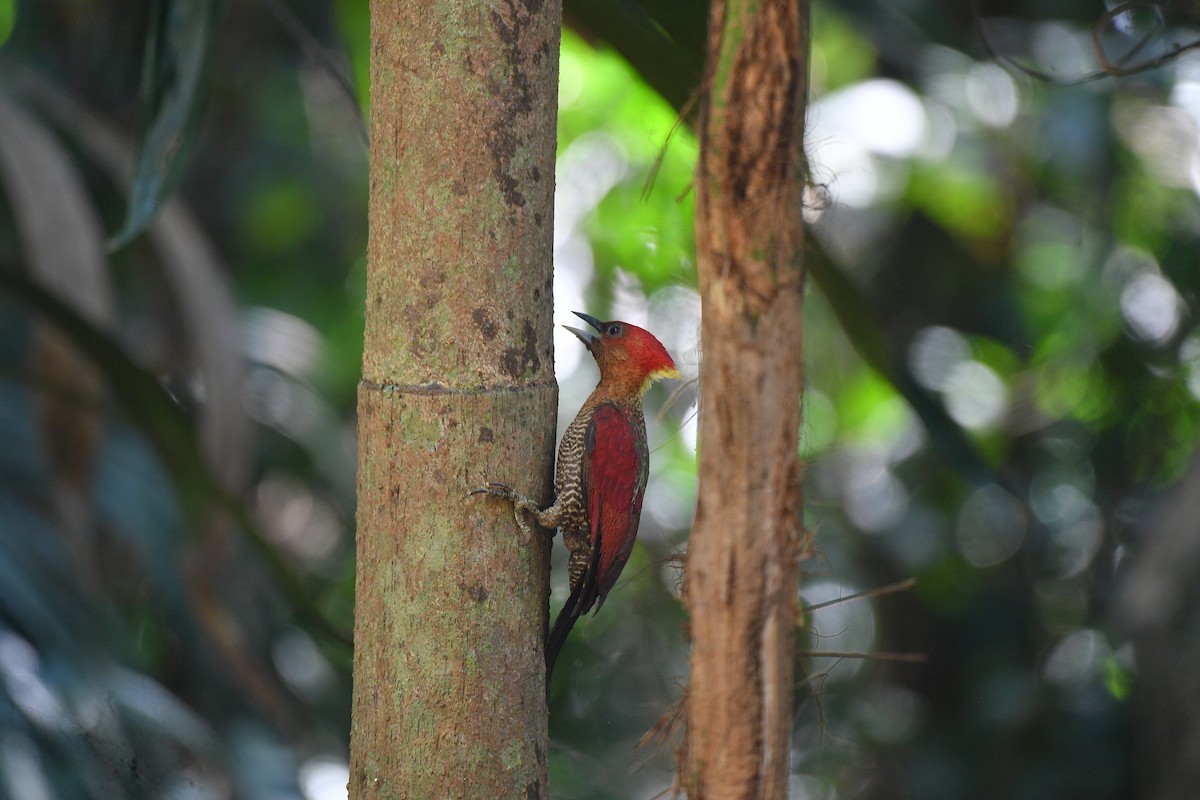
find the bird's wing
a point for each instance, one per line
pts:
(614, 480)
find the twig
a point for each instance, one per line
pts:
(674, 397)
(317, 53)
(908, 658)
(1108, 68)
(891, 588)
(662, 151)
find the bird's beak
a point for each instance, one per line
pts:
(586, 337)
(589, 319)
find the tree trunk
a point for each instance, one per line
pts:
(745, 547)
(1159, 604)
(458, 388)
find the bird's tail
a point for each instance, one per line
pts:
(583, 597)
(558, 635)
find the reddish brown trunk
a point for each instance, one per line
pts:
(747, 541)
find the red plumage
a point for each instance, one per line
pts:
(612, 475)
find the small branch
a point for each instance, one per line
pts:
(1109, 69)
(891, 588)
(662, 151)
(674, 398)
(662, 413)
(907, 658)
(318, 55)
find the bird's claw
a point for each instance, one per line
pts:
(495, 489)
(506, 492)
(526, 532)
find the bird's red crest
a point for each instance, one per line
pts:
(630, 358)
(650, 360)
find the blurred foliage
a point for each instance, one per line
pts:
(180, 39)
(1003, 382)
(177, 484)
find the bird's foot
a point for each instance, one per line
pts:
(520, 502)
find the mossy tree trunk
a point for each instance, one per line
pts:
(458, 389)
(745, 547)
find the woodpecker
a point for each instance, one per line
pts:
(601, 472)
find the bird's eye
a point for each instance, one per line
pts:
(614, 330)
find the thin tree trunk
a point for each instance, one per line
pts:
(458, 388)
(745, 547)
(1159, 605)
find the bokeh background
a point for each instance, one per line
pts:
(1002, 405)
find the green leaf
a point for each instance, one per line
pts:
(180, 40)
(664, 40)
(643, 223)
(8, 19)
(354, 23)
(1117, 679)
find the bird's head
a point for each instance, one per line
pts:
(630, 358)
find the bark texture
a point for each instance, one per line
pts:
(458, 389)
(745, 547)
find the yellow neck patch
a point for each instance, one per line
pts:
(658, 375)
